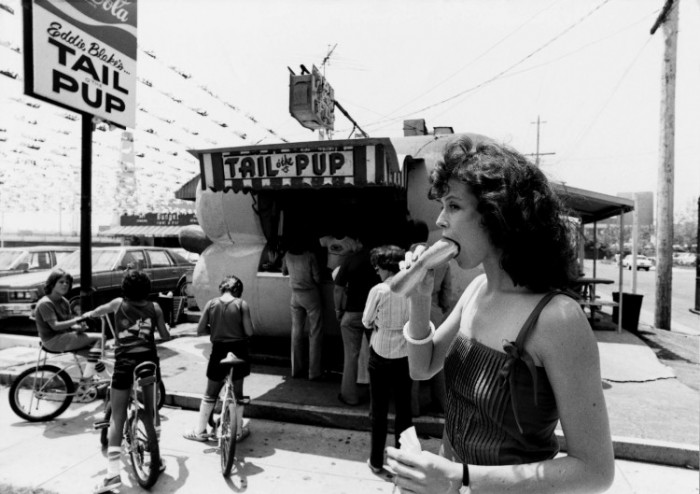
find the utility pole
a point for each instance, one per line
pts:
(668, 20)
(537, 151)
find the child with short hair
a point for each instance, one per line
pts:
(135, 319)
(386, 313)
(227, 319)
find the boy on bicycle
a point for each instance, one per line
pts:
(227, 319)
(135, 320)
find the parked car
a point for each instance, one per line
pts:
(684, 258)
(16, 260)
(643, 262)
(192, 257)
(167, 269)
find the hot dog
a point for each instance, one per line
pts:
(436, 255)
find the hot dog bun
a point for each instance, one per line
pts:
(436, 255)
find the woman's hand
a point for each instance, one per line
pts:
(424, 473)
(412, 257)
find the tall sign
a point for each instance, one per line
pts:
(81, 55)
(311, 100)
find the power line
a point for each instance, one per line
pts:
(503, 72)
(607, 101)
(475, 59)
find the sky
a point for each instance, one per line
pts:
(589, 69)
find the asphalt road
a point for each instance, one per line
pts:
(683, 293)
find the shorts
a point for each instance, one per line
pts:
(219, 350)
(71, 342)
(125, 364)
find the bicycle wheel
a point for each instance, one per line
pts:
(41, 393)
(228, 430)
(145, 460)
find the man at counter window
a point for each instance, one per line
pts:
(304, 279)
(355, 278)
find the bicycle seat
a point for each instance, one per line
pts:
(77, 351)
(231, 359)
(145, 369)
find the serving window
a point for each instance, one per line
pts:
(374, 215)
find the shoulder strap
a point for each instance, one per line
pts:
(534, 315)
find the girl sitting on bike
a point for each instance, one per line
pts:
(135, 321)
(59, 330)
(227, 319)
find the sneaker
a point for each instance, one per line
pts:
(196, 436)
(108, 484)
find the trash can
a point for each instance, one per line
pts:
(631, 307)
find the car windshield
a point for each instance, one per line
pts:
(102, 260)
(7, 258)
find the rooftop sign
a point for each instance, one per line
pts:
(311, 100)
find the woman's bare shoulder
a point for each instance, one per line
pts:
(562, 328)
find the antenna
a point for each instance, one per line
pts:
(327, 58)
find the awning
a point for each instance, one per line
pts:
(141, 231)
(343, 163)
(188, 192)
(592, 206)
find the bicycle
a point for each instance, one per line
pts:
(226, 425)
(45, 391)
(107, 406)
(137, 439)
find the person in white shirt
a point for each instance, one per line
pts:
(386, 313)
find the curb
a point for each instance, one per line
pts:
(625, 448)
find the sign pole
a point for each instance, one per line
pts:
(86, 213)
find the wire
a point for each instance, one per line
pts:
(501, 73)
(606, 103)
(475, 59)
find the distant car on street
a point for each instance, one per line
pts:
(643, 262)
(684, 258)
(16, 260)
(167, 269)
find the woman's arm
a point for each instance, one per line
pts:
(428, 359)
(564, 344)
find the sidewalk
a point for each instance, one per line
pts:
(64, 457)
(653, 416)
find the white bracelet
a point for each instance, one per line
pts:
(425, 340)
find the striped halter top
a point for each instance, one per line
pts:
(500, 406)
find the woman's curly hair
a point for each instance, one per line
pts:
(520, 211)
